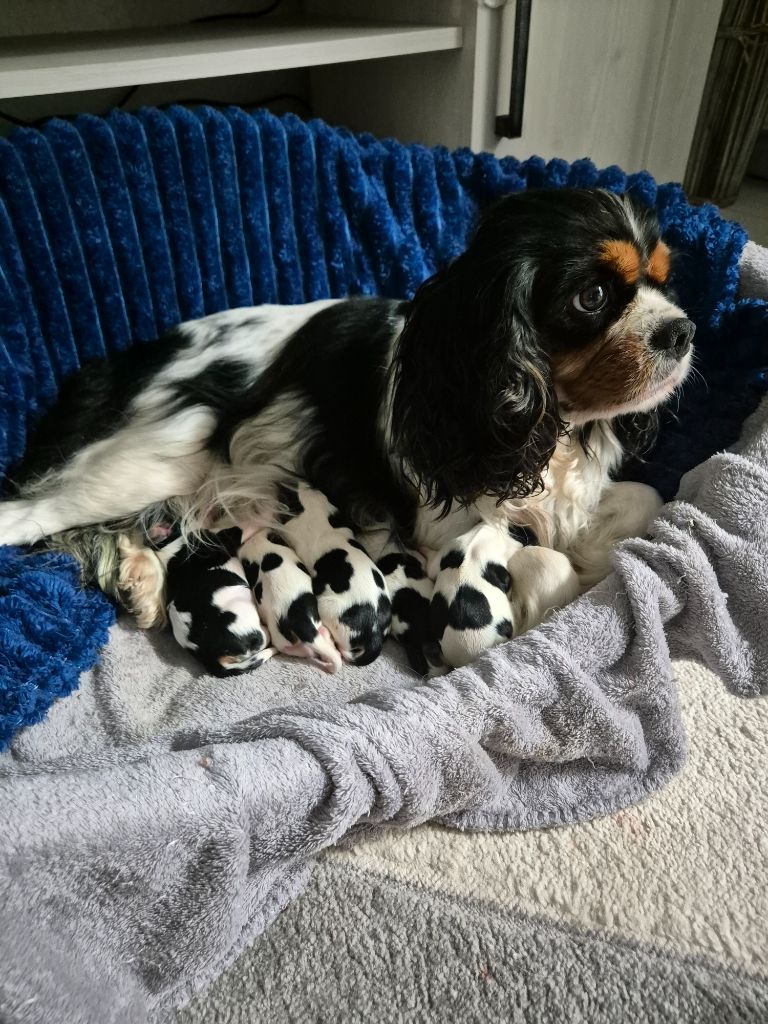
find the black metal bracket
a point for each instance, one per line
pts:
(510, 126)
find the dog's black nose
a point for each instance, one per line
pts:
(674, 336)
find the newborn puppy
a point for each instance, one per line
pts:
(209, 603)
(351, 594)
(470, 609)
(282, 587)
(410, 591)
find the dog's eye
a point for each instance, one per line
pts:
(591, 299)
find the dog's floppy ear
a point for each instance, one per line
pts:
(473, 406)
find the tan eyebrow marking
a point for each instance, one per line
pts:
(658, 264)
(622, 257)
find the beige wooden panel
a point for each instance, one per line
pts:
(619, 81)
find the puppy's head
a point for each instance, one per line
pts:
(557, 314)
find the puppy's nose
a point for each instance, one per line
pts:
(674, 336)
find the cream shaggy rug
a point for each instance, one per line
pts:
(655, 914)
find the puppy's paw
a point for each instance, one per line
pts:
(141, 582)
(17, 523)
(626, 509)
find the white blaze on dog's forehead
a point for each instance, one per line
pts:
(239, 601)
(650, 303)
(629, 213)
(181, 622)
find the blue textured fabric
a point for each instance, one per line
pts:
(114, 229)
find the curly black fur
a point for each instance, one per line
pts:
(474, 411)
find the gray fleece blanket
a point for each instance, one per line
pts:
(160, 819)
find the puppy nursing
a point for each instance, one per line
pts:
(490, 586)
(510, 389)
(282, 587)
(210, 606)
(351, 593)
(410, 591)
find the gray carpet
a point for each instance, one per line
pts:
(653, 914)
(389, 952)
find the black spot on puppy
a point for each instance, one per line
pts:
(288, 497)
(414, 570)
(378, 579)
(389, 563)
(469, 609)
(368, 627)
(230, 539)
(356, 544)
(275, 538)
(332, 570)
(504, 628)
(496, 574)
(258, 592)
(301, 620)
(412, 609)
(271, 561)
(384, 609)
(452, 560)
(251, 570)
(438, 616)
(522, 534)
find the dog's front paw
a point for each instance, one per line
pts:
(141, 582)
(541, 581)
(18, 524)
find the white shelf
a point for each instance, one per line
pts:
(36, 65)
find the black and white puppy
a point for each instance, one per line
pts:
(470, 609)
(410, 592)
(287, 604)
(209, 603)
(352, 597)
(508, 389)
(492, 584)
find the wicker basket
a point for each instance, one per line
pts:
(734, 106)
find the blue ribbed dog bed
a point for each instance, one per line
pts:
(113, 230)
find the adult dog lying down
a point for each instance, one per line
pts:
(506, 393)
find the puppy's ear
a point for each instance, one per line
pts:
(473, 408)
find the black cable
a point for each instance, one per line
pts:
(127, 97)
(262, 101)
(12, 119)
(237, 14)
(16, 120)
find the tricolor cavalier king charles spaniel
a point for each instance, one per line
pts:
(505, 394)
